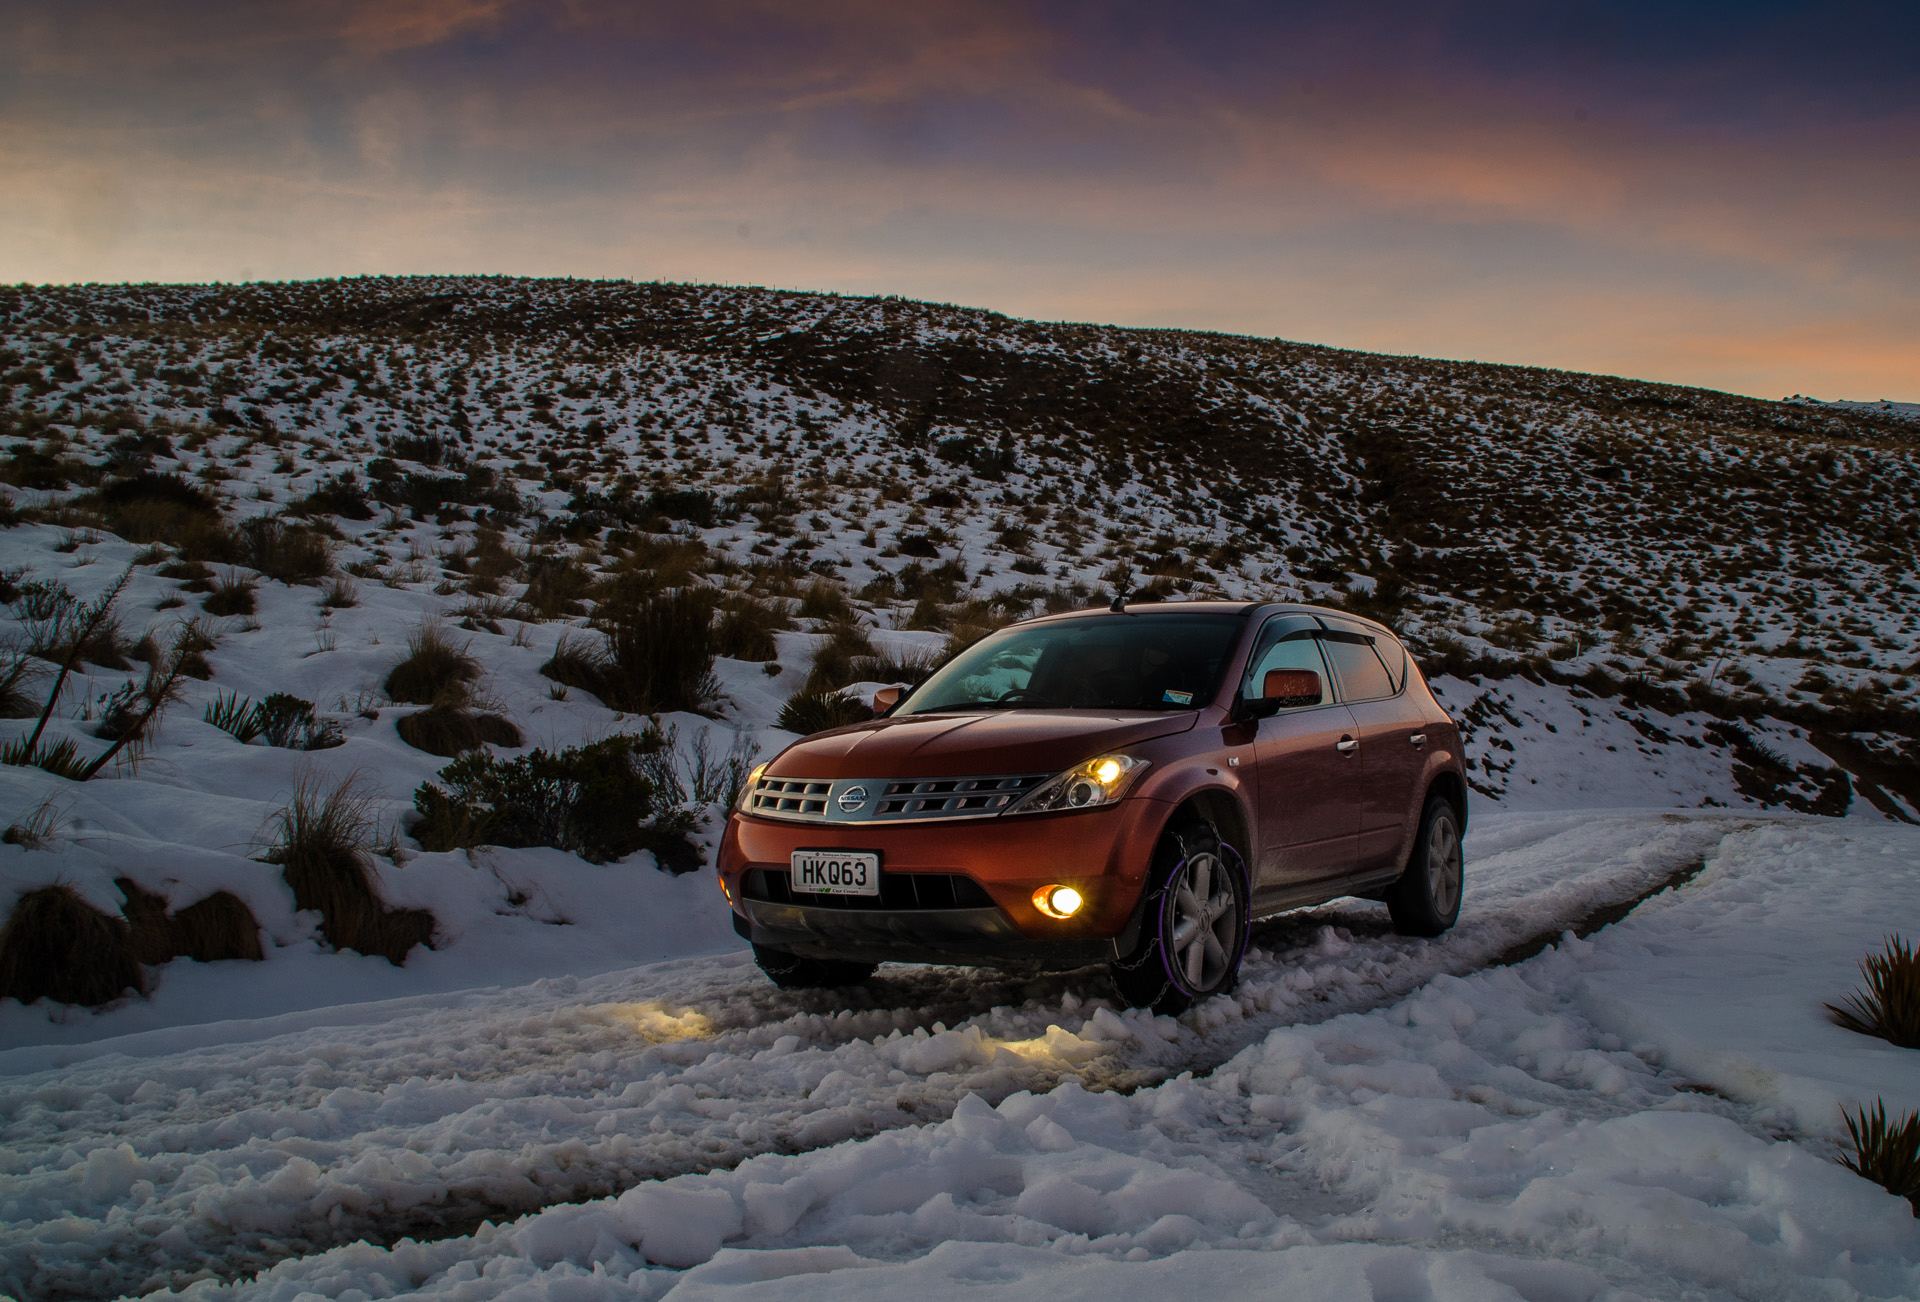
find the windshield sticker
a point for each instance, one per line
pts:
(1172, 697)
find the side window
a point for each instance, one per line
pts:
(1362, 676)
(1394, 657)
(1287, 642)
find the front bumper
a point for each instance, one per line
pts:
(1103, 853)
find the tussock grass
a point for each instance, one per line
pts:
(746, 628)
(435, 668)
(655, 654)
(221, 926)
(232, 595)
(341, 593)
(323, 842)
(279, 551)
(1887, 1153)
(1889, 1007)
(57, 946)
(816, 711)
(450, 730)
(35, 829)
(17, 672)
(233, 713)
(835, 660)
(59, 758)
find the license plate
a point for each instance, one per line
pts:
(836, 872)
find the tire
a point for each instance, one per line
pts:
(1193, 926)
(1426, 899)
(794, 972)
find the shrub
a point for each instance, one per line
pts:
(434, 670)
(288, 722)
(232, 595)
(555, 586)
(451, 730)
(221, 926)
(598, 801)
(811, 711)
(57, 946)
(1890, 1005)
(322, 850)
(1887, 1154)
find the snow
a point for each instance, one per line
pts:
(1652, 1110)
(587, 1090)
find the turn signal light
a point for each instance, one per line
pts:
(1058, 901)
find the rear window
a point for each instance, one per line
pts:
(1362, 676)
(1132, 661)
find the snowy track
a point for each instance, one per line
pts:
(125, 1173)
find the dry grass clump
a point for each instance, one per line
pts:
(232, 595)
(835, 660)
(825, 599)
(1889, 1007)
(17, 672)
(810, 711)
(221, 926)
(450, 730)
(656, 654)
(57, 946)
(322, 849)
(435, 668)
(1886, 1153)
(289, 554)
(746, 627)
(35, 829)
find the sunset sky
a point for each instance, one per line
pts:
(1720, 194)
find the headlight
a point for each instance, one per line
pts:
(1100, 781)
(745, 798)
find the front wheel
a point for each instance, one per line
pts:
(1426, 899)
(796, 972)
(1194, 926)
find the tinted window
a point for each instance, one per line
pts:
(1286, 642)
(1099, 662)
(1362, 676)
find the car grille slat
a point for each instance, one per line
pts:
(891, 800)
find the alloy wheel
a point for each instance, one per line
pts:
(1444, 867)
(1206, 917)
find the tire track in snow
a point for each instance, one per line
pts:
(224, 1160)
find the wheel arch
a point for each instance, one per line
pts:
(1223, 809)
(1449, 784)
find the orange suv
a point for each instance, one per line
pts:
(1130, 786)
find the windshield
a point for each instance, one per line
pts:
(1162, 661)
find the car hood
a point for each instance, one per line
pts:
(973, 744)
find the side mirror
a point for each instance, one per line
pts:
(887, 697)
(1289, 689)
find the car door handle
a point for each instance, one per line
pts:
(1346, 745)
(1418, 739)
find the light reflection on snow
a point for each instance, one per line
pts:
(660, 1022)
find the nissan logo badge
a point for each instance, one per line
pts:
(852, 799)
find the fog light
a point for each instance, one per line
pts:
(1058, 901)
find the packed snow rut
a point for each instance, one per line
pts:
(125, 1174)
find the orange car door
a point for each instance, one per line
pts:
(1390, 758)
(1305, 760)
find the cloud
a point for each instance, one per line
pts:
(1372, 177)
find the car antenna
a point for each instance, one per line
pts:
(1119, 606)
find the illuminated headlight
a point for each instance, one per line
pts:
(1100, 781)
(1058, 901)
(745, 800)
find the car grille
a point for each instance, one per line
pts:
(886, 800)
(897, 891)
